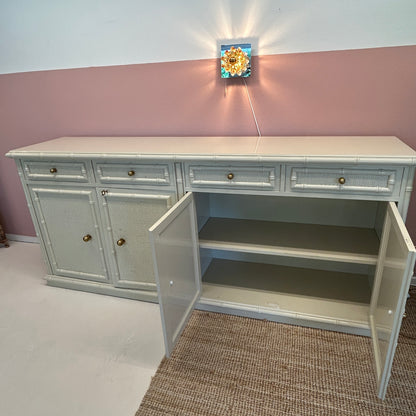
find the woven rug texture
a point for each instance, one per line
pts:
(225, 365)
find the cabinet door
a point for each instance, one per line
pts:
(393, 275)
(70, 231)
(174, 240)
(128, 214)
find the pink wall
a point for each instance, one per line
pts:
(363, 92)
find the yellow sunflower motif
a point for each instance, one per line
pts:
(235, 61)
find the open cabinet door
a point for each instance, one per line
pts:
(174, 240)
(392, 280)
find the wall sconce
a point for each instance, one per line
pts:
(236, 60)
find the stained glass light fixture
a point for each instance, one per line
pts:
(236, 60)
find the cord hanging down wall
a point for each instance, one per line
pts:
(252, 108)
(236, 63)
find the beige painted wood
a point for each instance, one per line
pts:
(364, 180)
(284, 208)
(290, 261)
(174, 240)
(70, 230)
(294, 253)
(334, 243)
(339, 146)
(128, 214)
(291, 280)
(101, 288)
(135, 173)
(52, 170)
(392, 280)
(146, 145)
(233, 176)
(332, 297)
(377, 169)
(352, 147)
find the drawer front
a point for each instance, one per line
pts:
(229, 177)
(56, 171)
(371, 181)
(144, 174)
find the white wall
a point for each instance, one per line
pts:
(54, 34)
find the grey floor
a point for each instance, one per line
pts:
(65, 352)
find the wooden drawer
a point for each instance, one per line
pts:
(143, 174)
(56, 171)
(371, 181)
(233, 176)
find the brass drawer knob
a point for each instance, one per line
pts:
(341, 180)
(87, 238)
(53, 170)
(120, 242)
(230, 176)
(131, 173)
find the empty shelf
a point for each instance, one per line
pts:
(291, 280)
(326, 242)
(335, 296)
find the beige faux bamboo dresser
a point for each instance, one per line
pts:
(305, 230)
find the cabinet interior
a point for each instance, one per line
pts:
(306, 258)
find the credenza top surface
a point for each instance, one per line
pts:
(389, 149)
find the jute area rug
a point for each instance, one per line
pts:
(227, 366)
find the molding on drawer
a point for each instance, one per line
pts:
(22, 238)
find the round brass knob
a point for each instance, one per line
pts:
(341, 180)
(53, 170)
(230, 176)
(87, 238)
(121, 242)
(131, 173)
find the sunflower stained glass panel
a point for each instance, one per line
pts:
(236, 60)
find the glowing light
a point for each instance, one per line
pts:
(236, 60)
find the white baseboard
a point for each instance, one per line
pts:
(22, 238)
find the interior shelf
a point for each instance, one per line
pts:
(308, 292)
(313, 241)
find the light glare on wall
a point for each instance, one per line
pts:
(236, 60)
